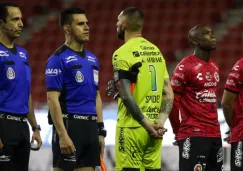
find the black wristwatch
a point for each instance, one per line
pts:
(36, 127)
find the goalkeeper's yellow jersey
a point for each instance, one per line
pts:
(147, 91)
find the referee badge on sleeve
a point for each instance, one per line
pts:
(96, 77)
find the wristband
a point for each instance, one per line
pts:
(101, 129)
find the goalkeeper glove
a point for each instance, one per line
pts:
(111, 89)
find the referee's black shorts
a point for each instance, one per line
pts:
(83, 131)
(15, 136)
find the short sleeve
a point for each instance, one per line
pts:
(235, 79)
(166, 75)
(54, 74)
(178, 79)
(124, 60)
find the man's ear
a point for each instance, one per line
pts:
(1, 23)
(67, 29)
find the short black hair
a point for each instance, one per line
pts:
(134, 17)
(4, 9)
(65, 16)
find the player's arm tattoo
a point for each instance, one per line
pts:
(123, 86)
(168, 98)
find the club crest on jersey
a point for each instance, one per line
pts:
(79, 77)
(216, 76)
(198, 167)
(208, 76)
(10, 73)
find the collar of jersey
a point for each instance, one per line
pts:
(81, 53)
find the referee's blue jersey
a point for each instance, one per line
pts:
(76, 76)
(15, 80)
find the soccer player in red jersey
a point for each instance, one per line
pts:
(232, 105)
(194, 117)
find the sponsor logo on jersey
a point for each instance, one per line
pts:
(181, 67)
(52, 72)
(3, 53)
(220, 155)
(70, 158)
(186, 149)
(90, 58)
(180, 75)
(175, 83)
(199, 76)
(79, 77)
(22, 55)
(210, 84)
(121, 141)
(115, 57)
(71, 58)
(147, 47)
(10, 73)
(4, 158)
(136, 54)
(235, 75)
(236, 67)
(206, 96)
(230, 82)
(198, 66)
(238, 155)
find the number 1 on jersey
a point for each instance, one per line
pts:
(152, 70)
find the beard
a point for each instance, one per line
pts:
(121, 35)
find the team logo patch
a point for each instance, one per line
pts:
(10, 73)
(79, 77)
(198, 167)
(216, 76)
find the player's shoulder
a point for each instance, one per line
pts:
(214, 64)
(186, 63)
(58, 54)
(91, 56)
(240, 62)
(186, 60)
(21, 49)
(60, 51)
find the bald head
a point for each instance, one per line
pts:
(134, 18)
(202, 36)
(193, 33)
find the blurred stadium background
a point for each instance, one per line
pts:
(167, 23)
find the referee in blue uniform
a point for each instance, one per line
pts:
(15, 99)
(72, 80)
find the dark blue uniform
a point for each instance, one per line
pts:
(15, 81)
(76, 76)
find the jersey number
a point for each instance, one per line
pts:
(152, 70)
